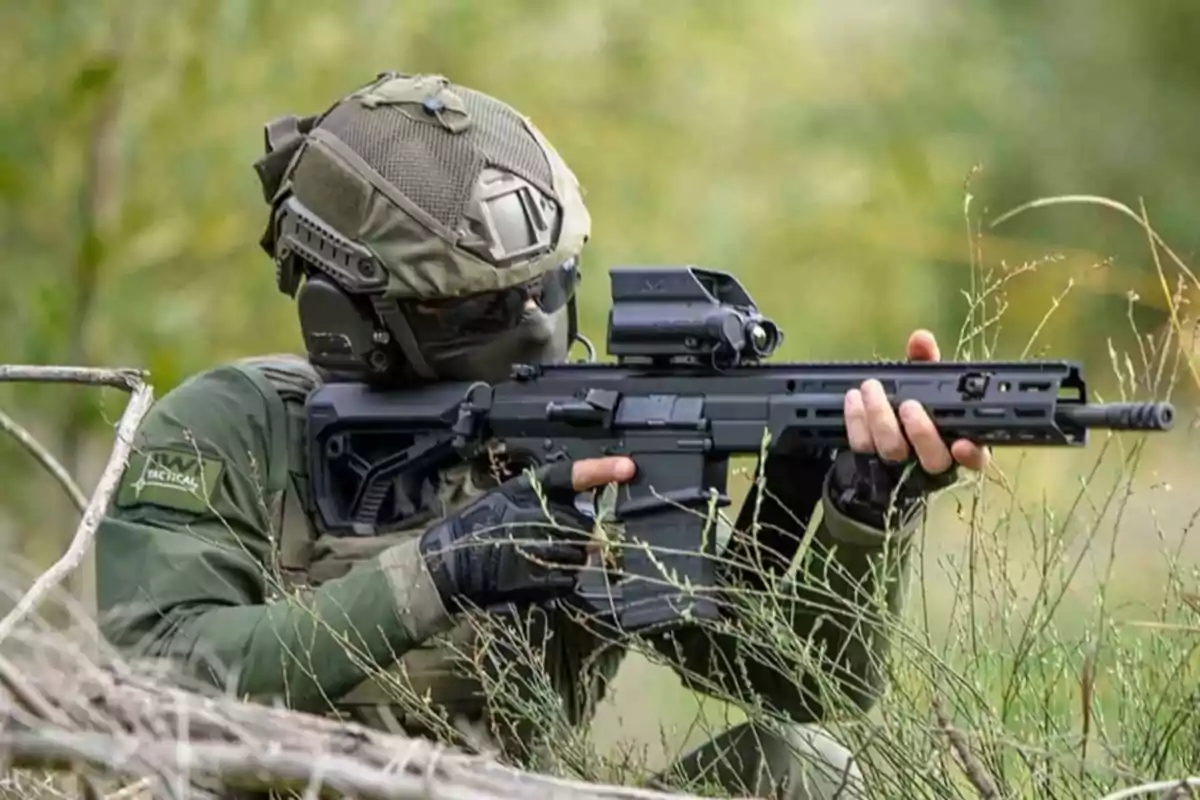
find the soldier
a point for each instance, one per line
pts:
(430, 232)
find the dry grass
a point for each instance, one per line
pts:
(1049, 644)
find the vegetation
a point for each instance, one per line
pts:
(848, 161)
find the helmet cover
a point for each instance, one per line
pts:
(453, 192)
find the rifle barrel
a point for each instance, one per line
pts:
(1118, 416)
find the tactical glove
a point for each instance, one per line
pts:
(503, 548)
(880, 493)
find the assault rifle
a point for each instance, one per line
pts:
(687, 392)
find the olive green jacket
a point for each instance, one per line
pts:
(187, 568)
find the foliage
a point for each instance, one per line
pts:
(817, 149)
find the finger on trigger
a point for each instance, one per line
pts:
(590, 473)
(885, 428)
(857, 431)
(931, 450)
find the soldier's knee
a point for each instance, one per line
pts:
(807, 763)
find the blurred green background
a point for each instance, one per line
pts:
(819, 149)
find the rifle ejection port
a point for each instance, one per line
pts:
(661, 411)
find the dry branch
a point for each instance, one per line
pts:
(139, 404)
(41, 455)
(58, 709)
(120, 378)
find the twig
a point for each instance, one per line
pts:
(43, 457)
(119, 378)
(975, 772)
(131, 419)
(1171, 787)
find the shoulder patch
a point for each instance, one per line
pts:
(178, 479)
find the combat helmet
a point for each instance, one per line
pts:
(415, 192)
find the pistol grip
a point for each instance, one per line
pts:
(665, 540)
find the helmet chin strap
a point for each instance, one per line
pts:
(391, 315)
(573, 334)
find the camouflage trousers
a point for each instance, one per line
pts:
(517, 685)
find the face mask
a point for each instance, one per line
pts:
(540, 338)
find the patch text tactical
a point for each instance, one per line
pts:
(185, 481)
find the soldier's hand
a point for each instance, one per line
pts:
(592, 473)
(874, 428)
(509, 547)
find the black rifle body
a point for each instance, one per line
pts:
(681, 426)
(680, 419)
